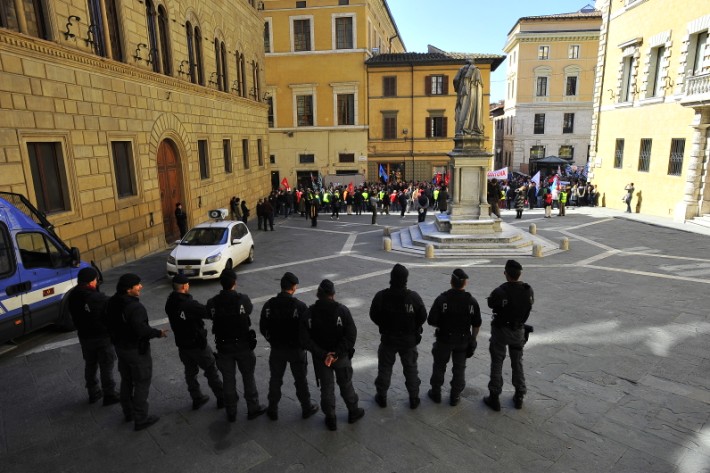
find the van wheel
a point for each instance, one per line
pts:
(250, 258)
(65, 323)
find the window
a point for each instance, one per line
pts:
(436, 85)
(346, 157)
(155, 55)
(543, 52)
(270, 101)
(227, 155)
(38, 251)
(436, 127)
(675, 160)
(34, 14)
(699, 44)
(304, 110)
(203, 158)
(627, 85)
(245, 153)
(272, 159)
(124, 169)
(541, 89)
(260, 152)
(343, 2)
(573, 51)
(537, 152)
(344, 32)
(255, 77)
(240, 85)
(301, 4)
(389, 86)
(194, 54)
(655, 84)
(566, 152)
(619, 153)
(7, 260)
(164, 44)
(568, 123)
(267, 37)
(539, 126)
(49, 176)
(346, 109)
(389, 125)
(306, 158)
(571, 86)
(302, 35)
(645, 154)
(220, 54)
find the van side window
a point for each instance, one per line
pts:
(7, 266)
(38, 251)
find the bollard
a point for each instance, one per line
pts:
(388, 244)
(537, 251)
(532, 229)
(429, 251)
(564, 243)
(386, 231)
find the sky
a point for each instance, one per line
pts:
(470, 26)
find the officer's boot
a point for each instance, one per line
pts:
(492, 401)
(331, 422)
(435, 395)
(355, 415)
(272, 412)
(518, 400)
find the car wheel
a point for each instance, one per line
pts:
(229, 264)
(250, 258)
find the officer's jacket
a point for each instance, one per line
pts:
(185, 315)
(280, 319)
(511, 303)
(400, 314)
(230, 311)
(87, 306)
(327, 326)
(454, 312)
(127, 322)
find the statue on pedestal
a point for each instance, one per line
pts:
(469, 101)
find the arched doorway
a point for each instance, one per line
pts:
(170, 182)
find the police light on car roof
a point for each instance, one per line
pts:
(218, 214)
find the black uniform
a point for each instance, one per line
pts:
(327, 326)
(127, 323)
(453, 314)
(279, 324)
(511, 303)
(400, 314)
(185, 315)
(235, 342)
(87, 306)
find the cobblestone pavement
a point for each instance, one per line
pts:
(618, 368)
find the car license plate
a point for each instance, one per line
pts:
(188, 272)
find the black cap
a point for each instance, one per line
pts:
(180, 279)
(86, 275)
(228, 275)
(459, 274)
(127, 281)
(511, 264)
(289, 278)
(399, 275)
(327, 287)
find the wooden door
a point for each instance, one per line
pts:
(170, 182)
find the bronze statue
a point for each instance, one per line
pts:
(469, 100)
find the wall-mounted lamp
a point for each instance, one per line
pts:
(612, 94)
(68, 34)
(137, 55)
(212, 80)
(405, 132)
(182, 63)
(90, 35)
(669, 83)
(236, 87)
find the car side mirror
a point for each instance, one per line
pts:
(236, 241)
(75, 256)
(177, 242)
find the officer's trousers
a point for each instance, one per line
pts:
(441, 352)
(136, 372)
(341, 372)
(386, 355)
(296, 358)
(514, 340)
(99, 355)
(194, 359)
(229, 357)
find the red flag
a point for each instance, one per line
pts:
(351, 189)
(446, 178)
(438, 178)
(284, 183)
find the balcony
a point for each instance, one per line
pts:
(696, 91)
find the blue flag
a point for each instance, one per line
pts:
(383, 174)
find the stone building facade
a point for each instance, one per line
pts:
(112, 111)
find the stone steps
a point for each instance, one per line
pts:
(703, 221)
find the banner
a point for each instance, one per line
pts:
(284, 183)
(536, 179)
(498, 174)
(383, 173)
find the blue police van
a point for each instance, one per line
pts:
(37, 270)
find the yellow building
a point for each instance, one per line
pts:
(411, 109)
(316, 83)
(111, 112)
(652, 106)
(550, 88)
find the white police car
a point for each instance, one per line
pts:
(211, 247)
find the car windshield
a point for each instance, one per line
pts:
(205, 236)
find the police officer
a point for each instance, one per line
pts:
(86, 306)
(400, 314)
(328, 331)
(279, 324)
(127, 323)
(457, 318)
(511, 303)
(235, 343)
(185, 315)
